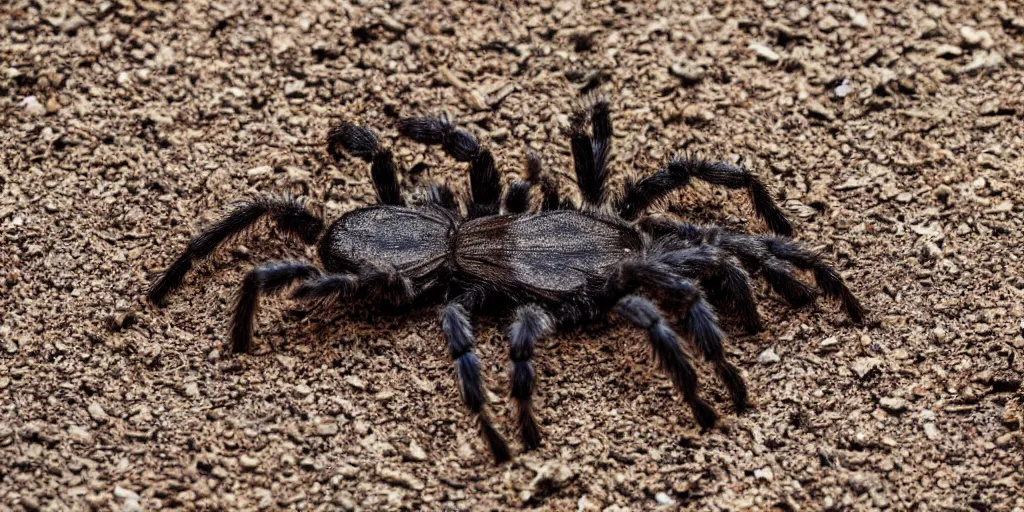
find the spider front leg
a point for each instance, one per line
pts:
(773, 257)
(530, 324)
(484, 181)
(640, 195)
(700, 321)
(458, 333)
(720, 274)
(669, 353)
(362, 142)
(827, 277)
(271, 278)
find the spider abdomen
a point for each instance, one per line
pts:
(414, 241)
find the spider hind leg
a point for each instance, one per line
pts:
(530, 324)
(458, 333)
(291, 217)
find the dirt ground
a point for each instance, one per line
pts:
(893, 133)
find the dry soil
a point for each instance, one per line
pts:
(891, 131)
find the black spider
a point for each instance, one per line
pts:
(562, 266)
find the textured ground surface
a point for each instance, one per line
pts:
(894, 134)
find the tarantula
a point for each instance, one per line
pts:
(558, 267)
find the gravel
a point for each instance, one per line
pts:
(890, 130)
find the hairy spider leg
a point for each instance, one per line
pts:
(719, 273)
(639, 195)
(443, 196)
(829, 281)
(774, 258)
(374, 285)
(670, 354)
(530, 324)
(517, 200)
(386, 287)
(601, 134)
(700, 322)
(484, 181)
(590, 153)
(291, 218)
(458, 333)
(361, 142)
(268, 278)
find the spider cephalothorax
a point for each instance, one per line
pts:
(557, 267)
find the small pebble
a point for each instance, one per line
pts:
(946, 51)
(859, 19)
(984, 60)
(73, 23)
(105, 41)
(930, 251)
(688, 73)
(257, 173)
(416, 452)
(893, 405)
(392, 24)
(249, 463)
(355, 382)
(862, 366)
(844, 89)
(401, 479)
(302, 391)
(97, 413)
(828, 23)
(765, 52)
(816, 109)
(974, 37)
(125, 494)
(327, 429)
(30, 503)
(295, 89)
(663, 499)
(32, 106)
(768, 357)
(79, 434)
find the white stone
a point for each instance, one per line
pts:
(32, 106)
(126, 494)
(764, 52)
(768, 357)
